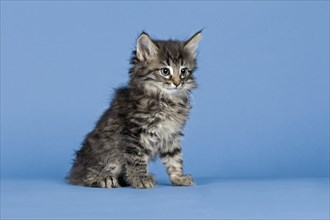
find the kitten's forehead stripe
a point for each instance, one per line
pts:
(165, 63)
(168, 60)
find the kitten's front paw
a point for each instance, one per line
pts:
(143, 182)
(109, 182)
(183, 180)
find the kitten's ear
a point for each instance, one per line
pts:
(192, 44)
(145, 47)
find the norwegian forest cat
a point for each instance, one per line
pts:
(145, 119)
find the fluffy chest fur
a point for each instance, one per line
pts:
(163, 123)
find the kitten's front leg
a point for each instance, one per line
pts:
(172, 159)
(136, 168)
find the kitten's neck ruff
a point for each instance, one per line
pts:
(180, 96)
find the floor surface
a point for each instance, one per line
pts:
(211, 198)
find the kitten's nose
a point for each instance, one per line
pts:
(176, 84)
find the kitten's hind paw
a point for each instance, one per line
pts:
(109, 182)
(184, 180)
(143, 182)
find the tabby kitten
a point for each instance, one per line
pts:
(145, 119)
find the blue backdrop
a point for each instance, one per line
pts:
(261, 110)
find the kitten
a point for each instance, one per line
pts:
(145, 119)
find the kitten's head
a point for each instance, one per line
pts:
(164, 66)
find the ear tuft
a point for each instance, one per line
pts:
(192, 43)
(145, 47)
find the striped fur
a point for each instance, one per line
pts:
(144, 120)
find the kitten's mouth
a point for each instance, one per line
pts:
(173, 87)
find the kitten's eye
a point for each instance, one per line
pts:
(184, 72)
(165, 71)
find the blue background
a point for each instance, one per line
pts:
(261, 109)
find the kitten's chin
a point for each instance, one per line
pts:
(170, 91)
(179, 92)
